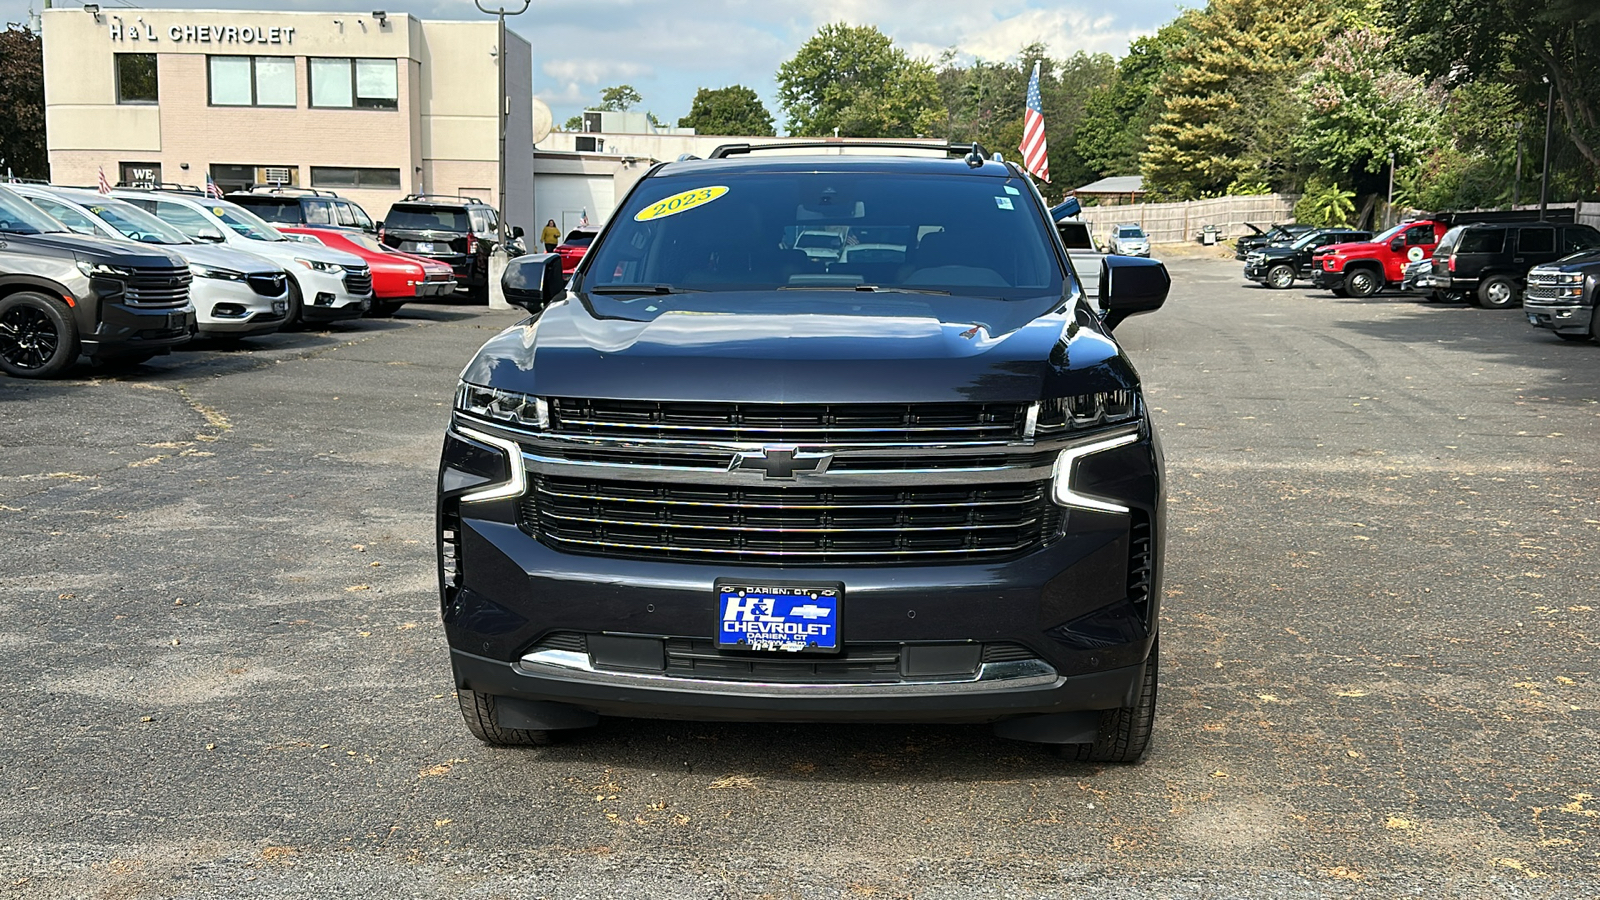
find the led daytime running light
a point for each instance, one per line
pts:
(516, 486)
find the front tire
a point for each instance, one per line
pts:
(478, 711)
(38, 338)
(1280, 277)
(1339, 292)
(1497, 292)
(1124, 734)
(296, 307)
(1362, 283)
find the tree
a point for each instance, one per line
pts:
(1236, 49)
(1520, 43)
(729, 110)
(1118, 115)
(22, 141)
(854, 79)
(1325, 205)
(619, 98)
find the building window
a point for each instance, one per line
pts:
(586, 143)
(140, 173)
(252, 80)
(355, 83)
(338, 177)
(136, 78)
(230, 177)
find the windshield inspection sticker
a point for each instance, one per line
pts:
(683, 202)
(1003, 203)
(1013, 191)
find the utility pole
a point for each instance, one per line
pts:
(1388, 209)
(1544, 178)
(497, 260)
(503, 102)
(1516, 184)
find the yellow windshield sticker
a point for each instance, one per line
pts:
(216, 211)
(678, 203)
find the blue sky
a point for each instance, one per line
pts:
(667, 50)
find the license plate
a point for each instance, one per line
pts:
(1533, 320)
(424, 246)
(279, 307)
(789, 619)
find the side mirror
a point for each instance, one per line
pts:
(531, 282)
(516, 231)
(378, 225)
(1130, 285)
(1397, 244)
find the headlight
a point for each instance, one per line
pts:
(1569, 278)
(508, 407)
(93, 270)
(317, 265)
(1067, 466)
(200, 271)
(1085, 411)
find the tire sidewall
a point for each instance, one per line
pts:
(296, 306)
(1273, 277)
(1354, 282)
(1487, 289)
(67, 345)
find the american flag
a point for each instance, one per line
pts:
(585, 219)
(1035, 158)
(105, 186)
(211, 188)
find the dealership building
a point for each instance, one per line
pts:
(372, 106)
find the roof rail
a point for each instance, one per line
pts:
(426, 197)
(15, 180)
(171, 187)
(283, 189)
(973, 149)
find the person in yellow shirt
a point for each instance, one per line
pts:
(550, 236)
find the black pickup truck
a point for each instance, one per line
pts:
(1277, 266)
(1277, 234)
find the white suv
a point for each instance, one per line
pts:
(235, 294)
(325, 285)
(1128, 240)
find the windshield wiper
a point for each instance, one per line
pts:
(637, 289)
(864, 288)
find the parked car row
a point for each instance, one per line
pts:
(1551, 268)
(123, 276)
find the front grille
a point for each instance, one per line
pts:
(855, 664)
(844, 526)
(158, 287)
(801, 423)
(268, 285)
(358, 281)
(1543, 290)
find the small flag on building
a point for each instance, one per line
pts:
(105, 186)
(585, 219)
(1035, 156)
(211, 188)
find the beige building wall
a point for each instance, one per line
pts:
(442, 137)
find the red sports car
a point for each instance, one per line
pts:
(396, 277)
(575, 246)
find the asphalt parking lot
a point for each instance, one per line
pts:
(1381, 646)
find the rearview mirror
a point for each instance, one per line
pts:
(532, 282)
(1130, 285)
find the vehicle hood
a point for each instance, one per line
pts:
(841, 356)
(1353, 248)
(1579, 261)
(101, 249)
(223, 256)
(286, 252)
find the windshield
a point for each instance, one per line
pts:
(428, 219)
(245, 223)
(18, 216)
(934, 234)
(1392, 233)
(1129, 233)
(135, 223)
(284, 212)
(1318, 238)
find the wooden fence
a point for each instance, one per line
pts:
(1170, 223)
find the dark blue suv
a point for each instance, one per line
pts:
(717, 477)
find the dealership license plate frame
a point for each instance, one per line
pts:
(828, 596)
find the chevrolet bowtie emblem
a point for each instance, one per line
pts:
(781, 462)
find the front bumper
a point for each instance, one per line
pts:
(1327, 278)
(324, 297)
(233, 309)
(120, 328)
(1566, 318)
(1076, 616)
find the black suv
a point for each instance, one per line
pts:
(1277, 266)
(460, 231)
(716, 478)
(62, 294)
(1277, 234)
(1487, 264)
(304, 206)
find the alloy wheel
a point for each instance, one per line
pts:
(28, 338)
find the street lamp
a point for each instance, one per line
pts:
(1544, 178)
(504, 101)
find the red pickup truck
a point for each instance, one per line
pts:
(1367, 267)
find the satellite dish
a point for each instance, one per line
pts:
(543, 120)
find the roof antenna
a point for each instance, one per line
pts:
(975, 156)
